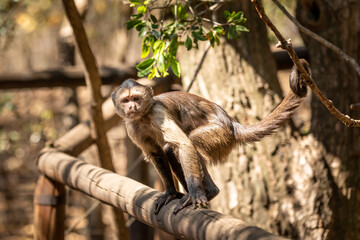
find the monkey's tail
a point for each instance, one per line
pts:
(253, 133)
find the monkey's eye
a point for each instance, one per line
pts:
(124, 100)
(136, 99)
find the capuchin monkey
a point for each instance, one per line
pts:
(181, 133)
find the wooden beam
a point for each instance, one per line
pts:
(68, 77)
(137, 200)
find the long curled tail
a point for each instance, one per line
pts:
(255, 132)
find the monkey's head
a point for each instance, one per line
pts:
(132, 99)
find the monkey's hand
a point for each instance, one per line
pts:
(165, 198)
(198, 200)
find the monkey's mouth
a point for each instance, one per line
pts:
(131, 114)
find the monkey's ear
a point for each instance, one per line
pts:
(113, 96)
(151, 91)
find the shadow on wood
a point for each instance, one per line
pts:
(138, 200)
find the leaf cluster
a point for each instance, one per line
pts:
(162, 37)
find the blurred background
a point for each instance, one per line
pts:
(36, 37)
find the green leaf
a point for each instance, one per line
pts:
(161, 63)
(240, 21)
(132, 23)
(152, 73)
(164, 74)
(145, 50)
(231, 33)
(182, 15)
(153, 18)
(141, 9)
(135, 2)
(238, 16)
(145, 67)
(240, 28)
(212, 42)
(219, 30)
(226, 14)
(217, 39)
(175, 66)
(199, 36)
(154, 26)
(170, 28)
(140, 26)
(158, 48)
(209, 35)
(173, 47)
(188, 43)
(142, 32)
(155, 35)
(137, 16)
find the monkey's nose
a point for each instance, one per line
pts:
(133, 107)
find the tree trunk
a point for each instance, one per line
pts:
(240, 76)
(336, 22)
(299, 186)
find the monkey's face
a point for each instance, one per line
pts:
(132, 103)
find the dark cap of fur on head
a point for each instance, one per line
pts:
(129, 83)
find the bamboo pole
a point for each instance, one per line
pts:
(137, 200)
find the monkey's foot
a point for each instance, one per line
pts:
(198, 201)
(164, 199)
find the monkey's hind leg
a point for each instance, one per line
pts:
(175, 166)
(191, 170)
(211, 190)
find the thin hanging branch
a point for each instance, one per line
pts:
(198, 67)
(286, 45)
(320, 39)
(93, 82)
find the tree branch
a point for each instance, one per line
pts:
(138, 200)
(320, 39)
(199, 67)
(93, 82)
(286, 45)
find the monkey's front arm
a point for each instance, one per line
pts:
(158, 158)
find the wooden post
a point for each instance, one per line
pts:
(49, 209)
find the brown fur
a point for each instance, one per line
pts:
(184, 132)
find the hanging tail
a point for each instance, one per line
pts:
(253, 133)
